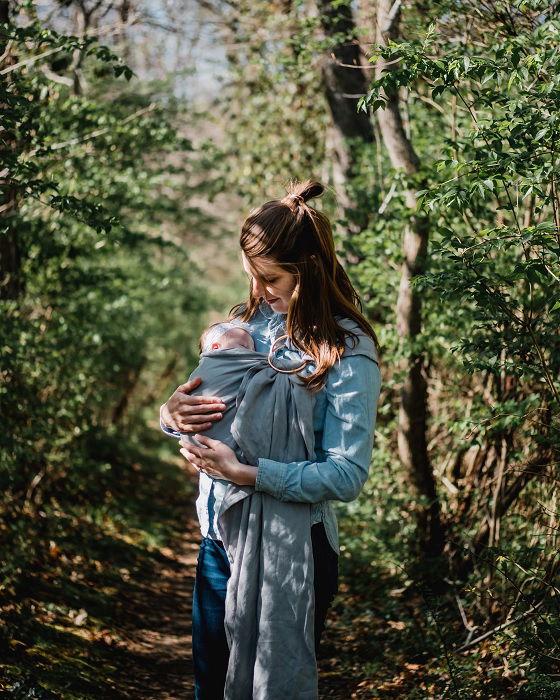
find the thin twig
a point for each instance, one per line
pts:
(543, 363)
(361, 67)
(8, 51)
(96, 133)
(391, 17)
(388, 198)
(499, 628)
(30, 60)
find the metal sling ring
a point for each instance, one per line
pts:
(283, 371)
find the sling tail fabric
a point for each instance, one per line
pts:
(270, 601)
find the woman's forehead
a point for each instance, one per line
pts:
(259, 265)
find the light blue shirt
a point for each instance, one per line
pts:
(344, 423)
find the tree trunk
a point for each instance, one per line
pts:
(129, 384)
(412, 429)
(343, 88)
(463, 564)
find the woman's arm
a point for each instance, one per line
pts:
(352, 391)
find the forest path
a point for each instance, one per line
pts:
(154, 622)
(155, 626)
(102, 609)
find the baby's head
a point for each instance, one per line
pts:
(226, 335)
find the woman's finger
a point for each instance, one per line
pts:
(192, 458)
(200, 417)
(205, 440)
(188, 460)
(190, 428)
(191, 464)
(189, 386)
(195, 451)
(212, 404)
(167, 418)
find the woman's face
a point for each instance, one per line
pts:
(270, 281)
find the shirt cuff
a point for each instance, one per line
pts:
(169, 431)
(271, 477)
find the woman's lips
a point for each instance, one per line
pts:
(271, 301)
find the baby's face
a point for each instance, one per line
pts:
(234, 338)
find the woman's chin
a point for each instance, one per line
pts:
(278, 306)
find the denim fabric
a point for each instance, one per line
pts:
(210, 649)
(344, 422)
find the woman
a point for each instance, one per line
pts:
(299, 290)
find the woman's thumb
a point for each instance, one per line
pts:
(189, 386)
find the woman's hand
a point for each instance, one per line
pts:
(190, 414)
(219, 461)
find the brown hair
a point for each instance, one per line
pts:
(296, 236)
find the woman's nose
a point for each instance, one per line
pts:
(258, 288)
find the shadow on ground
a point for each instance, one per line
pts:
(100, 604)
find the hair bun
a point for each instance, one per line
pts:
(297, 197)
(305, 190)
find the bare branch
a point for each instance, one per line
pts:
(501, 627)
(391, 17)
(31, 60)
(96, 133)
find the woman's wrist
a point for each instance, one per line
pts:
(244, 474)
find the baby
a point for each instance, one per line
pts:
(216, 342)
(252, 390)
(226, 335)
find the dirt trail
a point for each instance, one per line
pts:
(155, 627)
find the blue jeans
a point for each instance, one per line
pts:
(210, 648)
